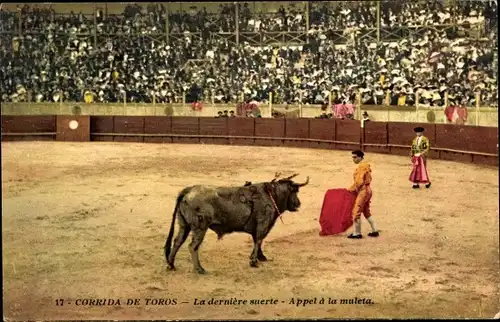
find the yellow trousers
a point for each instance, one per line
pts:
(362, 203)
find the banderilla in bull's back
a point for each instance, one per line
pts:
(252, 208)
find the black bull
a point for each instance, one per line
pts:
(253, 209)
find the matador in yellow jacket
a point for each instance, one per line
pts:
(361, 187)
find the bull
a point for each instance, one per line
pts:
(252, 209)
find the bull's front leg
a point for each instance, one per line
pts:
(260, 254)
(255, 252)
(261, 230)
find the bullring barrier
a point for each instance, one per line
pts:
(478, 116)
(448, 142)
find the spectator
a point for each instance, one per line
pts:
(47, 66)
(365, 116)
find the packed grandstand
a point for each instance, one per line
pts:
(436, 52)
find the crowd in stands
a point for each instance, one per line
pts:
(56, 57)
(222, 114)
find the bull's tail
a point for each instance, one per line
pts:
(168, 243)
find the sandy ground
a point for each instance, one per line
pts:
(89, 221)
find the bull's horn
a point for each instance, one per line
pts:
(276, 176)
(303, 184)
(292, 176)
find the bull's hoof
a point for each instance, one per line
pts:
(170, 267)
(262, 258)
(201, 270)
(254, 264)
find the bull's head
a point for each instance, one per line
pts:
(285, 192)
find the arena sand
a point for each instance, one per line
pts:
(89, 221)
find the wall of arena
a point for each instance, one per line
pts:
(481, 116)
(448, 142)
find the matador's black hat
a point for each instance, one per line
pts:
(358, 153)
(418, 129)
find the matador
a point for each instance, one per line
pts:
(361, 187)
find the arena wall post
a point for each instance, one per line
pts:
(478, 97)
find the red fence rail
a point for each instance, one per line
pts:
(448, 142)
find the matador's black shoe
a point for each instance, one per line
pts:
(352, 236)
(416, 186)
(373, 234)
(428, 185)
